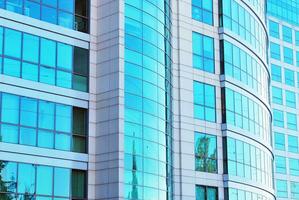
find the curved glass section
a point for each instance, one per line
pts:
(43, 124)
(242, 22)
(72, 14)
(244, 67)
(259, 6)
(236, 194)
(245, 113)
(147, 141)
(40, 182)
(42, 60)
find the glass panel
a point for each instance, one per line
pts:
(47, 75)
(80, 83)
(12, 43)
(10, 108)
(28, 136)
(29, 71)
(48, 52)
(66, 19)
(62, 178)
(79, 121)
(12, 67)
(78, 184)
(63, 118)
(28, 111)
(64, 79)
(44, 180)
(32, 9)
(81, 61)
(64, 56)
(30, 48)
(9, 133)
(49, 14)
(46, 115)
(14, 6)
(26, 178)
(8, 174)
(63, 142)
(67, 5)
(45, 139)
(52, 3)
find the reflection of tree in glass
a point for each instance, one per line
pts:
(134, 192)
(207, 159)
(6, 186)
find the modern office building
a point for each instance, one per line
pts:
(283, 24)
(146, 99)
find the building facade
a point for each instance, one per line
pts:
(146, 99)
(284, 57)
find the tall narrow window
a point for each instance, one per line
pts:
(203, 11)
(206, 193)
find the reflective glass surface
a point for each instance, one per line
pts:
(282, 188)
(47, 61)
(28, 181)
(237, 194)
(41, 123)
(248, 162)
(203, 52)
(206, 193)
(204, 101)
(205, 152)
(147, 114)
(73, 14)
(203, 11)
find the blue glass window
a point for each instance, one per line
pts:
(12, 45)
(203, 11)
(280, 164)
(46, 115)
(276, 95)
(290, 99)
(275, 51)
(64, 56)
(282, 188)
(1, 40)
(279, 139)
(47, 75)
(29, 71)
(204, 102)
(8, 175)
(274, 29)
(26, 179)
(287, 34)
(49, 14)
(276, 72)
(288, 55)
(67, 5)
(203, 52)
(10, 109)
(30, 48)
(44, 180)
(64, 79)
(205, 153)
(295, 190)
(289, 77)
(63, 118)
(52, 3)
(48, 52)
(28, 112)
(278, 118)
(294, 167)
(62, 179)
(12, 67)
(32, 9)
(15, 6)
(293, 144)
(45, 139)
(65, 19)
(206, 193)
(28, 136)
(9, 133)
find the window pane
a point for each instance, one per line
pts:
(64, 56)
(32, 9)
(14, 6)
(47, 75)
(63, 141)
(64, 79)
(12, 43)
(49, 14)
(46, 115)
(81, 61)
(28, 136)
(29, 71)
(63, 118)
(26, 178)
(9, 133)
(79, 121)
(30, 48)
(66, 19)
(80, 83)
(28, 111)
(79, 144)
(8, 174)
(45, 139)
(62, 182)
(67, 5)
(12, 67)
(48, 52)
(1, 40)
(52, 3)
(44, 180)
(10, 108)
